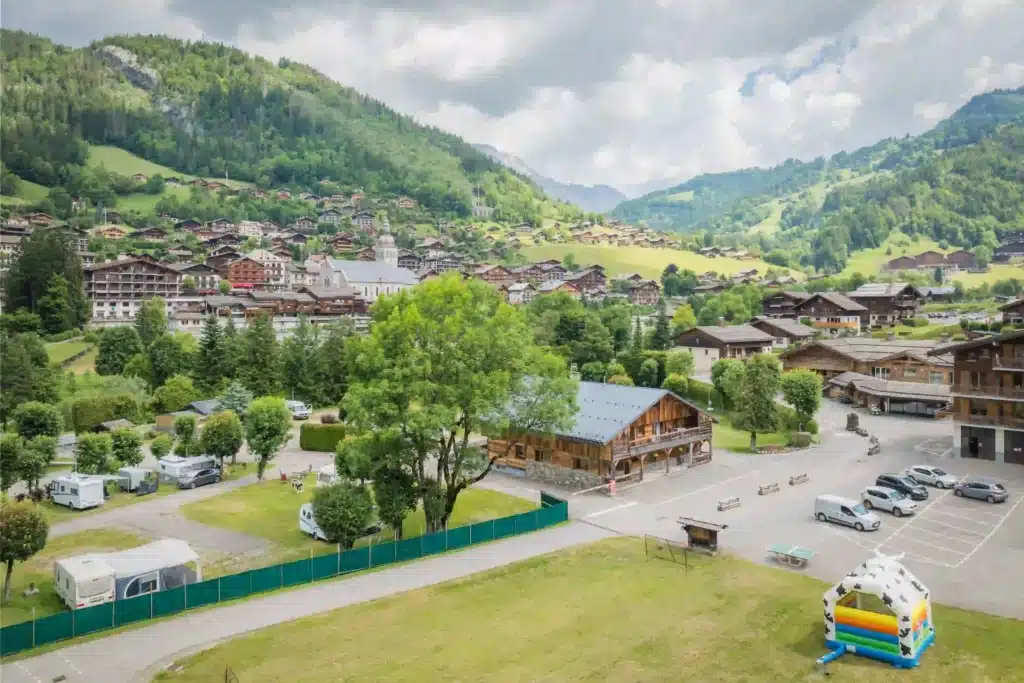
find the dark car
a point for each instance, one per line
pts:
(199, 478)
(903, 484)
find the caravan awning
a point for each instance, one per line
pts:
(169, 552)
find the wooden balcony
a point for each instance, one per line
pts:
(990, 390)
(1001, 363)
(991, 421)
(658, 442)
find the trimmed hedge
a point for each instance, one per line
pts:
(320, 437)
(86, 413)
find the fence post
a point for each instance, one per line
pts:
(471, 534)
(311, 565)
(186, 596)
(74, 626)
(339, 560)
(113, 614)
(369, 564)
(280, 576)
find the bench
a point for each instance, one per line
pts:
(728, 503)
(798, 479)
(766, 489)
(793, 555)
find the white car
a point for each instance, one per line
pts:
(890, 500)
(300, 411)
(931, 475)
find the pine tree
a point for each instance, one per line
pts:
(261, 368)
(332, 372)
(151, 320)
(299, 362)
(637, 342)
(233, 350)
(210, 361)
(662, 337)
(44, 254)
(55, 310)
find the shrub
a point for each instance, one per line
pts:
(624, 380)
(914, 322)
(161, 445)
(329, 419)
(698, 393)
(320, 437)
(61, 336)
(87, 412)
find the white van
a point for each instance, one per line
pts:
(174, 467)
(846, 511)
(77, 491)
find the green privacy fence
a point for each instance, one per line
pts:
(32, 634)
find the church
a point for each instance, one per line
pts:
(370, 278)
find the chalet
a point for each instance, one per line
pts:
(712, 343)
(431, 243)
(204, 276)
(519, 292)
(221, 258)
(887, 302)
(783, 304)
(530, 273)
(308, 196)
(710, 252)
(786, 331)
(831, 311)
(332, 216)
(172, 180)
(1013, 312)
(629, 277)
(357, 196)
(962, 260)
(335, 300)
(552, 286)
(496, 275)
(588, 279)
(221, 225)
(113, 216)
(616, 434)
(1007, 252)
(188, 225)
(140, 177)
(243, 271)
(343, 241)
(645, 293)
(181, 253)
(111, 232)
(39, 218)
(151, 234)
(890, 396)
(363, 220)
(283, 194)
(929, 294)
(552, 271)
(296, 238)
(367, 254)
(406, 203)
(305, 224)
(428, 273)
(296, 275)
(252, 229)
(896, 359)
(258, 193)
(708, 276)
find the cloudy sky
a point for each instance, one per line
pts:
(626, 92)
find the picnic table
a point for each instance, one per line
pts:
(792, 555)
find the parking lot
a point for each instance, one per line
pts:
(968, 552)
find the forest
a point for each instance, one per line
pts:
(214, 111)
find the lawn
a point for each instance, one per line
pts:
(997, 271)
(601, 612)
(86, 363)
(870, 261)
(27, 193)
(270, 509)
(646, 261)
(124, 162)
(60, 352)
(728, 437)
(39, 570)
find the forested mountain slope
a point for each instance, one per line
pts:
(211, 110)
(718, 201)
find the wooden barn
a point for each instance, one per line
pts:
(618, 432)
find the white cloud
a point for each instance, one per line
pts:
(622, 93)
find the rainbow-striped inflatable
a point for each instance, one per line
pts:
(879, 610)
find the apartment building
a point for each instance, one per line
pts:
(117, 289)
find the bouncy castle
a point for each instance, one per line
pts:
(880, 610)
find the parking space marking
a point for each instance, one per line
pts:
(966, 519)
(972, 532)
(70, 664)
(611, 509)
(707, 488)
(918, 554)
(992, 533)
(947, 538)
(920, 515)
(28, 672)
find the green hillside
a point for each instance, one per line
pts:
(208, 110)
(741, 196)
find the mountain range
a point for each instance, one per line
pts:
(596, 198)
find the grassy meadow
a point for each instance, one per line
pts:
(646, 261)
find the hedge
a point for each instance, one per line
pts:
(88, 412)
(323, 438)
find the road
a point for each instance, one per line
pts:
(134, 656)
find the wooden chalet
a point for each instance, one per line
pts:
(896, 359)
(712, 343)
(645, 293)
(496, 275)
(618, 432)
(887, 302)
(831, 311)
(1013, 312)
(783, 304)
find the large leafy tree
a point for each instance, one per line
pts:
(445, 360)
(169, 355)
(757, 410)
(25, 373)
(12, 449)
(332, 372)
(185, 435)
(126, 447)
(267, 428)
(802, 390)
(261, 365)
(46, 254)
(39, 454)
(23, 533)
(92, 453)
(343, 511)
(116, 347)
(176, 393)
(221, 436)
(34, 419)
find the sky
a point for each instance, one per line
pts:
(637, 94)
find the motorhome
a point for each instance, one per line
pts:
(77, 491)
(97, 578)
(327, 475)
(174, 467)
(308, 525)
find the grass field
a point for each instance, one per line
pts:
(124, 162)
(602, 612)
(997, 271)
(270, 510)
(648, 262)
(728, 437)
(56, 514)
(27, 192)
(870, 261)
(86, 363)
(61, 351)
(39, 570)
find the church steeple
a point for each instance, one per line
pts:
(385, 249)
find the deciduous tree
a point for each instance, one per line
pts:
(37, 457)
(23, 533)
(267, 427)
(679, 363)
(161, 445)
(802, 390)
(126, 447)
(175, 394)
(12, 448)
(757, 412)
(92, 453)
(185, 436)
(34, 419)
(343, 511)
(151, 320)
(221, 436)
(116, 347)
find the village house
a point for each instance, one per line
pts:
(786, 331)
(617, 433)
(831, 311)
(39, 218)
(365, 254)
(988, 397)
(273, 266)
(783, 304)
(1005, 253)
(305, 224)
(253, 229)
(552, 286)
(244, 272)
(712, 343)
(406, 203)
(497, 275)
(111, 232)
(520, 292)
(409, 259)
(205, 277)
(332, 216)
(140, 177)
(10, 248)
(181, 253)
(886, 302)
(530, 273)
(110, 216)
(645, 293)
(221, 225)
(188, 225)
(151, 234)
(1013, 312)
(283, 194)
(930, 260)
(117, 289)
(219, 259)
(363, 220)
(896, 359)
(589, 279)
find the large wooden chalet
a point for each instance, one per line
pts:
(617, 433)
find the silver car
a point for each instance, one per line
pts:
(981, 489)
(931, 475)
(890, 500)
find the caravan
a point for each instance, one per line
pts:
(174, 467)
(308, 525)
(327, 475)
(77, 491)
(94, 579)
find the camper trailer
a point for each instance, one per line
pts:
(174, 467)
(94, 579)
(131, 478)
(327, 475)
(308, 525)
(77, 491)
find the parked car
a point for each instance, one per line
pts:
(931, 475)
(299, 410)
(903, 484)
(845, 511)
(981, 489)
(890, 500)
(199, 478)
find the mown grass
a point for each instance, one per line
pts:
(27, 193)
(59, 352)
(602, 612)
(124, 162)
(648, 262)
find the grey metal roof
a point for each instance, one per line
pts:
(205, 407)
(604, 410)
(891, 388)
(733, 334)
(786, 325)
(880, 289)
(868, 349)
(841, 300)
(318, 292)
(372, 271)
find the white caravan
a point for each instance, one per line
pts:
(174, 467)
(327, 475)
(97, 578)
(308, 525)
(77, 491)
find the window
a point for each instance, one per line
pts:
(520, 451)
(846, 511)
(910, 372)
(936, 377)
(880, 373)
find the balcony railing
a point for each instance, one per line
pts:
(996, 390)
(657, 442)
(991, 421)
(1008, 363)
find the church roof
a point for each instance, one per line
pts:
(372, 271)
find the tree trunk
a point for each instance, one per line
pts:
(7, 580)
(261, 465)
(753, 441)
